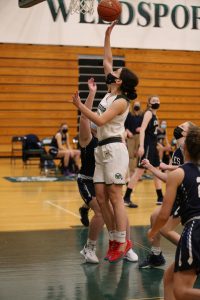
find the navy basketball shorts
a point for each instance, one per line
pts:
(86, 189)
(188, 250)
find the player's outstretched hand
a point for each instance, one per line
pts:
(92, 85)
(150, 236)
(110, 27)
(76, 99)
(145, 163)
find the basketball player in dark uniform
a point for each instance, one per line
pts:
(185, 181)
(147, 149)
(155, 258)
(88, 143)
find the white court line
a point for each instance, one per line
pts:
(154, 298)
(62, 208)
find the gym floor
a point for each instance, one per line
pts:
(41, 237)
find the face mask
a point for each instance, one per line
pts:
(178, 133)
(155, 105)
(93, 126)
(65, 130)
(110, 78)
(136, 107)
(163, 126)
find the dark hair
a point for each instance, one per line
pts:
(192, 143)
(129, 82)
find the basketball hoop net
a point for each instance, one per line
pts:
(81, 6)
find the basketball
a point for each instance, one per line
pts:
(109, 10)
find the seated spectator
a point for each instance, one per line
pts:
(163, 146)
(61, 148)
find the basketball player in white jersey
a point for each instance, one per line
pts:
(111, 155)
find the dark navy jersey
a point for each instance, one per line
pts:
(88, 159)
(54, 142)
(133, 122)
(177, 160)
(189, 193)
(177, 157)
(151, 131)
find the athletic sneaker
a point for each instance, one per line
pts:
(131, 256)
(89, 253)
(110, 249)
(152, 261)
(159, 201)
(118, 253)
(129, 203)
(84, 215)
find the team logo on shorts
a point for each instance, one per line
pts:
(118, 176)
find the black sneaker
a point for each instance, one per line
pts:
(83, 211)
(152, 261)
(159, 201)
(129, 203)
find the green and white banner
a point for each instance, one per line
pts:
(146, 24)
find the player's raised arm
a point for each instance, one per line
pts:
(84, 127)
(108, 59)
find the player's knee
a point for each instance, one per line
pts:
(101, 198)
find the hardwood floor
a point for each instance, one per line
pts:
(54, 205)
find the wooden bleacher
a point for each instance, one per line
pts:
(37, 82)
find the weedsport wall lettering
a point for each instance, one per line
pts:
(143, 24)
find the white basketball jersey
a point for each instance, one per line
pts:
(116, 126)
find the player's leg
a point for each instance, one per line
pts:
(183, 285)
(96, 225)
(158, 187)
(115, 168)
(131, 187)
(169, 283)
(155, 258)
(130, 256)
(86, 189)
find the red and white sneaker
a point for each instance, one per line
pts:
(110, 249)
(130, 254)
(119, 251)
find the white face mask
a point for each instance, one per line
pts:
(93, 126)
(163, 126)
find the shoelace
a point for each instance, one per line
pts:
(91, 248)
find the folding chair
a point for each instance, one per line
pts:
(16, 147)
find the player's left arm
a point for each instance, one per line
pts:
(174, 179)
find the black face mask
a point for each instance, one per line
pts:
(136, 107)
(65, 130)
(155, 105)
(178, 133)
(110, 78)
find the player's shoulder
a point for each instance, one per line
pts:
(176, 176)
(148, 114)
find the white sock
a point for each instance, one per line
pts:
(91, 242)
(120, 236)
(156, 250)
(112, 235)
